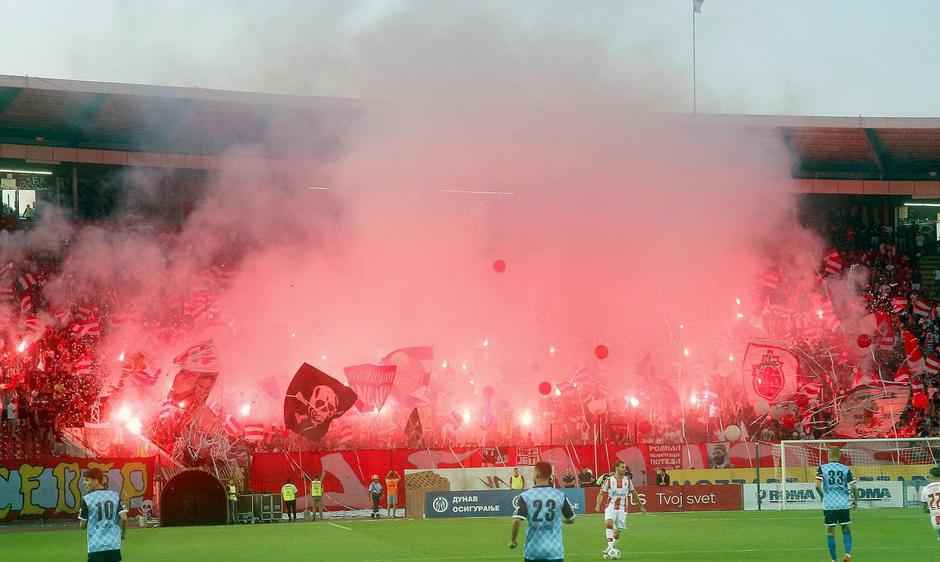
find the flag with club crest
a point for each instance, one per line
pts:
(871, 410)
(313, 400)
(199, 369)
(372, 383)
(414, 434)
(770, 372)
(412, 374)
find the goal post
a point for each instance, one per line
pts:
(905, 461)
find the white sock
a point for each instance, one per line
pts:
(610, 538)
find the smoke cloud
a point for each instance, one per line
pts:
(532, 133)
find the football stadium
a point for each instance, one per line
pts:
(465, 281)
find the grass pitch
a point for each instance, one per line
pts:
(879, 534)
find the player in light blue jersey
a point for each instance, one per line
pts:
(834, 480)
(543, 508)
(105, 517)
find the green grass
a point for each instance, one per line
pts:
(883, 534)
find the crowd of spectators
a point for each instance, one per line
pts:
(51, 370)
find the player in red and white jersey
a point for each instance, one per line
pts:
(930, 499)
(618, 487)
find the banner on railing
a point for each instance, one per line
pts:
(52, 487)
(801, 495)
(485, 503)
(659, 499)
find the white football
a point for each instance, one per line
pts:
(612, 554)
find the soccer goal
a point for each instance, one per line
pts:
(889, 472)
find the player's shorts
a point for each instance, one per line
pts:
(105, 556)
(316, 500)
(618, 516)
(835, 517)
(392, 498)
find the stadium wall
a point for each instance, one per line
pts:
(51, 488)
(346, 474)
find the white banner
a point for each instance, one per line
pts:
(488, 478)
(804, 496)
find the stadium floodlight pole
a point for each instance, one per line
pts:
(696, 9)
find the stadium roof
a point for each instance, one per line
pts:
(858, 148)
(160, 119)
(165, 121)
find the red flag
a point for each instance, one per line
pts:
(167, 408)
(26, 303)
(372, 383)
(915, 359)
(932, 364)
(89, 328)
(834, 263)
(903, 375)
(232, 427)
(414, 433)
(922, 306)
(898, 303)
(254, 431)
(28, 281)
(770, 279)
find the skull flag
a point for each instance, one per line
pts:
(313, 400)
(770, 373)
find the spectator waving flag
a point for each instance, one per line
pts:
(372, 383)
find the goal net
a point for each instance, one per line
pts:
(889, 472)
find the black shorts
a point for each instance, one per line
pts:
(105, 556)
(835, 517)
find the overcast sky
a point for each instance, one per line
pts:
(810, 57)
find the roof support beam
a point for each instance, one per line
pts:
(882, 158)
(8, 96)
(85, 116)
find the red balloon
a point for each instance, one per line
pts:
(863, 341)
(919, 400)
(643, 427)
(601, 351)
(801, 400)
(545, 387)
(788, 421)
(499, 266)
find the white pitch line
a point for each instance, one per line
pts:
(340, 526)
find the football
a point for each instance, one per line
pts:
(612, 554)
